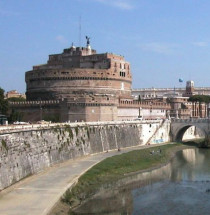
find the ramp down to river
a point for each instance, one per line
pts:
(37, 194)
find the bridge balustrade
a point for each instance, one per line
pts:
(194, 120)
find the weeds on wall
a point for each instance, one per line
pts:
(26, 144)
(4, 144)
(69, 130)
(77, 143)
(57, 129)
(88, 133)
(83, 141)
(76, 130)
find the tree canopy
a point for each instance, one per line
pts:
(4, 107)
(200, 98)
(16, 99)
(3, 103)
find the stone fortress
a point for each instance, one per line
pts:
(81, 85)
(79, 72)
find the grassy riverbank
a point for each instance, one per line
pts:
(114, 168)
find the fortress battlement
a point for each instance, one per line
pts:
(71, 73)
(144, 104)
(35, 103)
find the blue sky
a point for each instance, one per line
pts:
(164, 40)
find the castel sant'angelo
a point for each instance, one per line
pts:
(81, 85)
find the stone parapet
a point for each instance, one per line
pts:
(191, 120)
(5, 129)
(146, 105)
(71, 73)
(34, 103)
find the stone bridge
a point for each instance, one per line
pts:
(179, 126)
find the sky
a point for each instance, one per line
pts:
(163, 40)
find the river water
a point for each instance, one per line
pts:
(181, 187)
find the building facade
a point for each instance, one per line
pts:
(180, 107)
(14, 94)
(189, 90)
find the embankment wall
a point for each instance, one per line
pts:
(26, 152)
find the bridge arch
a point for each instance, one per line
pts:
(180, 133)
(180, 126)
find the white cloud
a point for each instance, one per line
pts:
(121, 4)
(61, 39)
(200, 44)
(161, 48)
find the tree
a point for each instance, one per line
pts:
(15, 116)
(183, 106)
(16, 99)
(200, 98)
(3, 103)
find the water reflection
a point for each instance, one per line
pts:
(189, 155)
(177, 188)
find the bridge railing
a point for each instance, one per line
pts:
(191, 120)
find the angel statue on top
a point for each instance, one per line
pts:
(88, 40)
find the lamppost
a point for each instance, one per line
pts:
(151, 115)
(140, 113)
(208, 110)
(40, 112)
(40, 108)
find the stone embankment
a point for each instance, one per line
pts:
(29, 149)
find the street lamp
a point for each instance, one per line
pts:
(40, 108)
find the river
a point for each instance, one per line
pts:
(180, 187)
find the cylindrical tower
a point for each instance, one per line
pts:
(79, 71)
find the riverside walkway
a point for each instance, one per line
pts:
(37, 194)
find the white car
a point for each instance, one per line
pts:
(20, 123)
